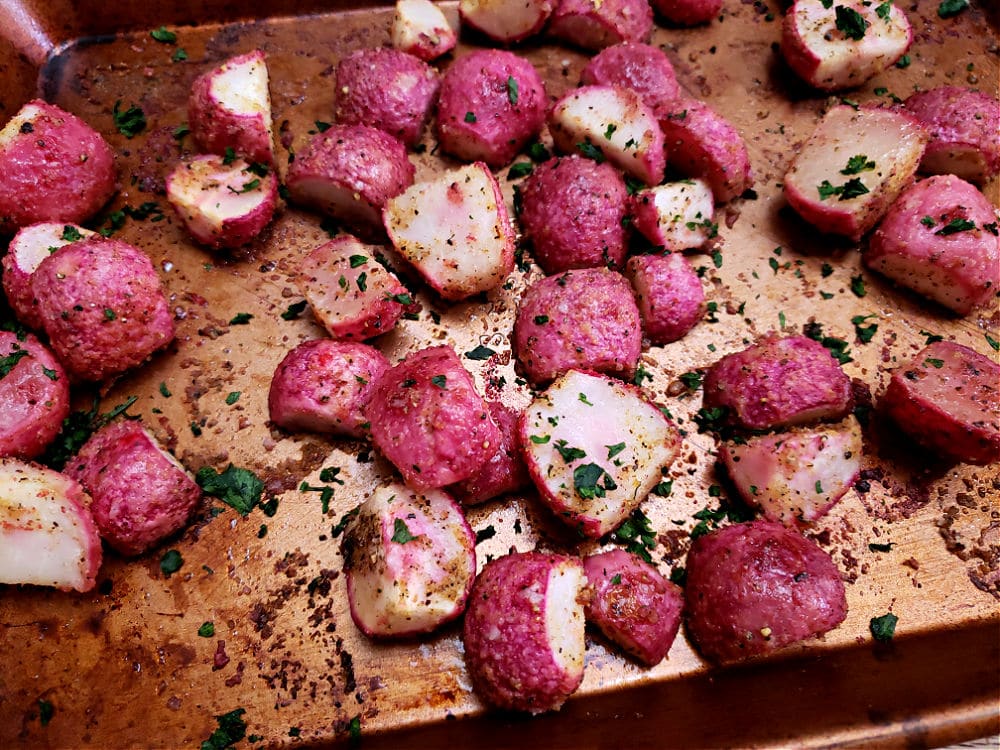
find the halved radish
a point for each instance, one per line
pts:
(420, 28)
(668, 293)
(506, 20)
(595, 447)
(350, 292)
(595, 24)
(524, 631)
(614, 122)
(852, 167)
(840, 45)
(30, 246)
(675, 215)
(796, 477)
(47, 535)
(34, 396)
(223, 205)
(455, 231)
(230, 108)
(410, 559)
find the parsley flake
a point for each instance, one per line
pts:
(45, 712)
(163, 35)
(858, 163)
(207, 629)
(232, 728)
(440, 381)
(129, 123)
(483, 534)
(851, 23)
(239, 488)
(512, 90)
(883, 628)
(955, 226)
(858, 286)
(171, 562)
(591, 151)
(480, 353)
(294, 310)
(569, 453)
(232, 398)
(401, 532)
(521, 169)
(241, 319)
(951, 8)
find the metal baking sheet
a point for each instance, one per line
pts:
(124, 666)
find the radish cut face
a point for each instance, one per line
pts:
(564, 619)
(595, 447)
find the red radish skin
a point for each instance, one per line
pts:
(595, 448)
(702, 143)
(756, 587)
(410, 560)
(823, 56)
(420, 28)
(102, 306)
(141, 494)
(633, 604)
(668, 293)
(596, 25)
(676, 215)
(505, 472)
(584, 319)
(32, 189)
(230, 109)
(779, 382)
(222, 205)
(387, 89)
(324, 386)
(350, 293)
(891, 141)
(795, 478)
(687, 12)
(524, 631)
(30, 246)
(947, 399)
(47, 533)
(633, 65)
(491, 103)
(34, 396)
(429, 421)
(573, 212)
(963, 126)
(349, 172)
(916, 247)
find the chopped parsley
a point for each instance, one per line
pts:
(836, 347)
(587, 481)
(171, 562)
(45, 712)
(853, 188)
(401, 532)
(180, 55)
(247, 187)
(181, 130)
(955, 226)
(483, 534)
(241, 319)
(541, 319)
(858, 163)
(568, 452)
(71, 233)
(521, 169)
(880, 547)
(238, 488)
(614, 450)
(480, 353)
(405, 299)
(691, 380)
(865, 333)
(440, 381)
(826, 270)
(207, 629)
(883, 628)
(903, 62)
(937, 364)
(470, 117)
(590, 151)
(994, 344)
(362, 281)
(883, 10)
(129, 123)
(77, 429)
(584, 400)
(851, 23)
(294, 310)
(232, 398)
(321, 126)
(540, 439)
(9, 362)
(951, 8)
(232, 728)
(858, 286)
(610, 131)
(616, 579)
(636, 534)
(163, 35)
(512, 90)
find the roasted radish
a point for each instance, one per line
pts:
(688, 12)
(229, 109)
(939, 239)
(53, 167)
(796, 477)
(505, 471)
(505, 20)
(324, 386)
(947, 398)
(584, 319)
(633, 65)
(756, 587)
(30, 246)
(524, 631)
(454, 230)
(34, 396)
(852, 167)
(47, 535)
(610, 123)
(595, 448)
(676, 215)
(669, 294)
(223, 203)
(429, 421)
(778, 382)
(350, 292)
(633, 605)
(421, 29)
(594, 25)
(410, 561)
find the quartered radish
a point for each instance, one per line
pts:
(852, 168)
(455, 231)
(796, 477)
(410, 561)
(421, 29)
(30, 246)
(595, 24)
(223, 203)
(350, 292)
(668, 293)
(524, 631)
(840, 45)
(506, 20)
(34, 396)
(595, 448)
(610, 123)
(47, 534)
(230, 109)
(675, 215)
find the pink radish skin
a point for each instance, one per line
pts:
(34, 397)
